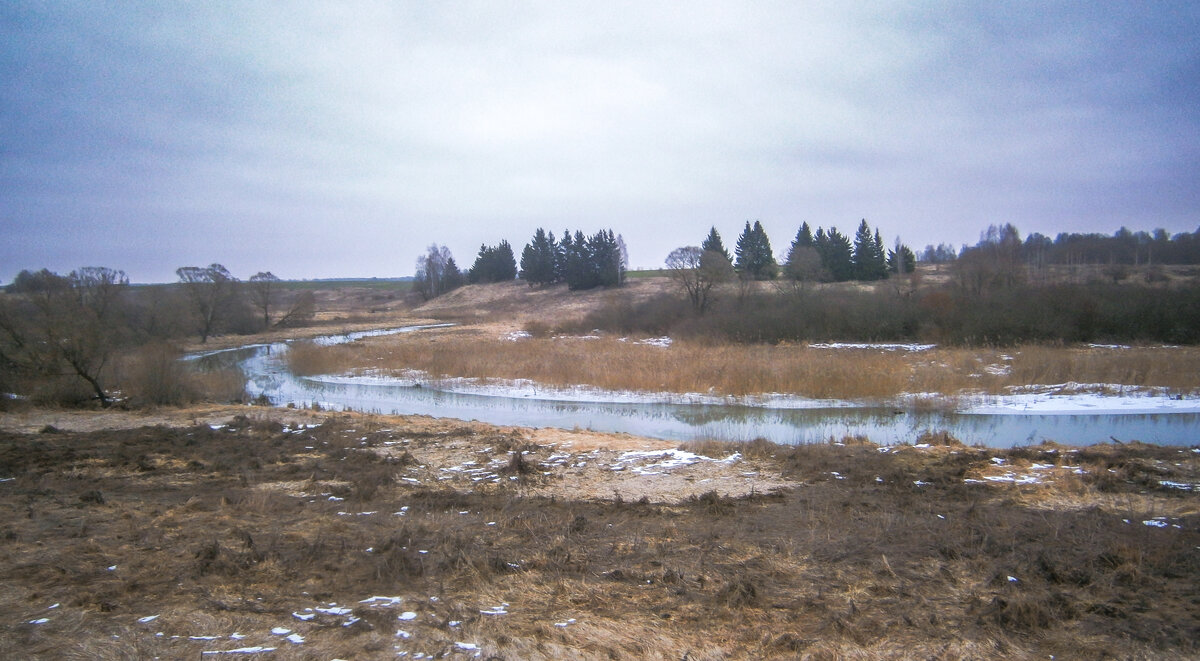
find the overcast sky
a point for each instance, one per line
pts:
(329, 139)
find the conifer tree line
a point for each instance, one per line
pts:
(827, 255)
(493, 264)
(581, 261)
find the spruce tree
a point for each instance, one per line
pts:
(713, 243)
(754, 257)
(868, 256)
(803, 259)
(565, 247)
(901, 261)
(837, 257)
(538, 259)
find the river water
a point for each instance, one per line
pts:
(266, 369)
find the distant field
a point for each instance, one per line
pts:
(646, 273)
(364, 283)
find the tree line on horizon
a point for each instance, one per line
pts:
(580, 261)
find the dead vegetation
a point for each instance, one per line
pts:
(367, 536)
(747, 369)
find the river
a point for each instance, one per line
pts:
(266, 369)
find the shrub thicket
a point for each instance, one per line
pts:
(1097, 312)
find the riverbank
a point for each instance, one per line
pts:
(308, 535)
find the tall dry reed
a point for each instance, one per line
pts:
(740, 369)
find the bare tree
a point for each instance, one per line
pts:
(301, 311)
(698, 272)
(212, 291)
(434, 276)
(65, 326)
(263, 287)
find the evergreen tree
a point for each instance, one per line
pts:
(493, 264)
(713, 243)
(604, 259)
(754, 257)
(538, 259)
(803, 259)
(837, 257)
(804, 237)
(452, 277)
(566, 246)
(902, 260)
(868, 255)
(578, 263)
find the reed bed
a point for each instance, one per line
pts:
(728, 369)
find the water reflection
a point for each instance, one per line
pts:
(266, 369)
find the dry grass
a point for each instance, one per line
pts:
(861, 564)
(686, 367)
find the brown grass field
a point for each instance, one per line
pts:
(165, 541)
(741, 369)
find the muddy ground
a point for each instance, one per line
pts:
(248, 532)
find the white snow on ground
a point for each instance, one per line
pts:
(663, 342)
(669, 459)
(881, 346)
(256, 649)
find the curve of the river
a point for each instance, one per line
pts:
(266, 369)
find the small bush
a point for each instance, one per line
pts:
(157, 377)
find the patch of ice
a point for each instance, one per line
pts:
(202, 637)
(382, 601)
(466, 646)
(334, 609)
(40, 620)
(295, 638)
(1013, 478)
(406, 616)
(401, 633)
(281, 631)
(1075, 398)
(1012, 579)
(148, 618)
(1156, 523)
(304, 616)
